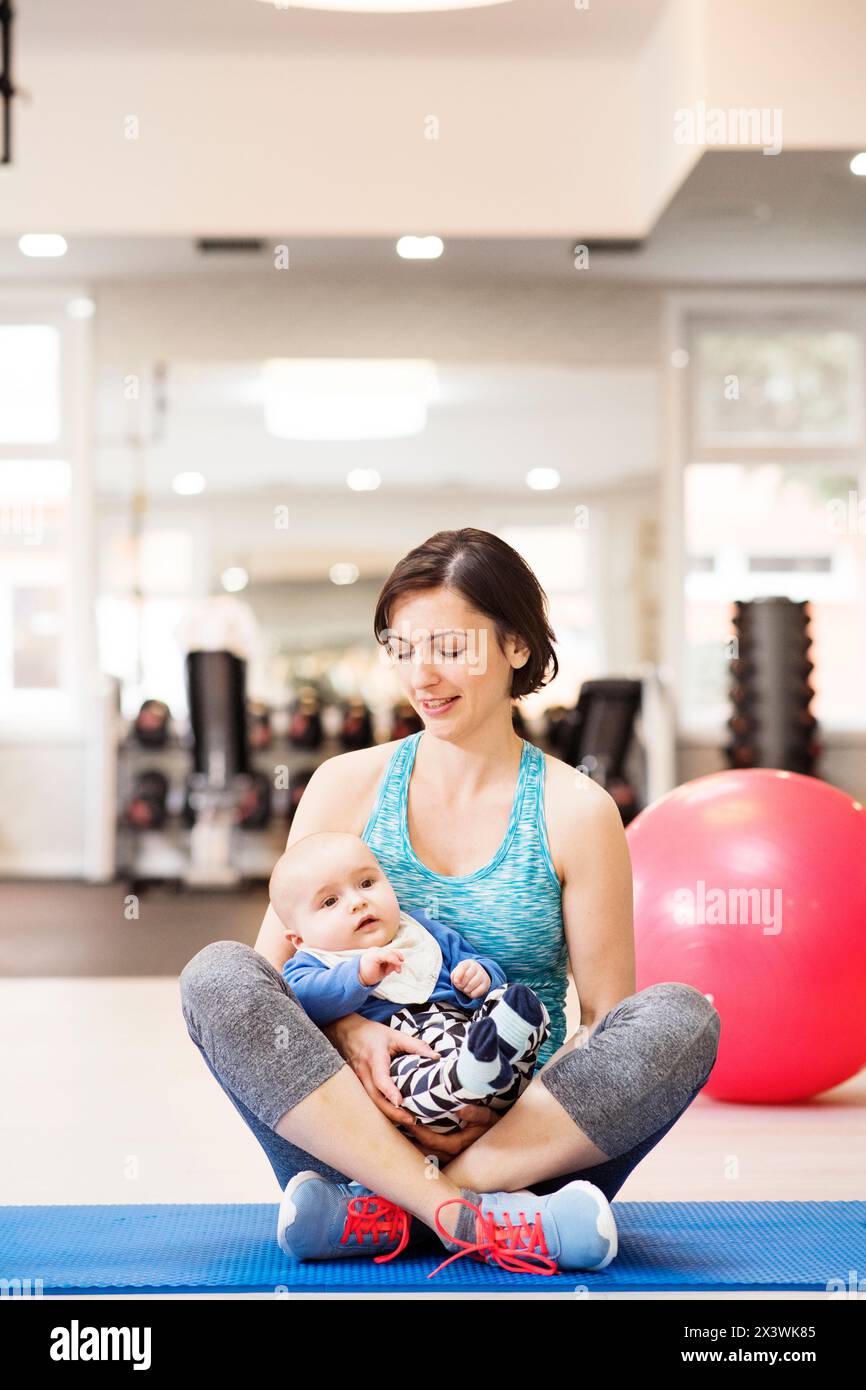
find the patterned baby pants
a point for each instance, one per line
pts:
(429, 1087)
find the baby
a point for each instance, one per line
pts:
(358, 952)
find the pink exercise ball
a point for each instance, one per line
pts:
(751, 886)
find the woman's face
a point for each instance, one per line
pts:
(449, 661)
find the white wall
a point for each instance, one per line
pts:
(42, 823)
(232, 318)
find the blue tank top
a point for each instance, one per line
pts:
(511, 909)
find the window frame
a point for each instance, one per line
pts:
(684, 314)
(32, 716)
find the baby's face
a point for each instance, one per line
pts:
(340, 900)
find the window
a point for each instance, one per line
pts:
(29, 383)
(559, 556)
(775, 529)
(43, 536)
(757, 388)
(772, 482)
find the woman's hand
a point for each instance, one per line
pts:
(368, 1047)
(477, 1119)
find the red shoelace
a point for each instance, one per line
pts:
(375, 1216)
(517, 1246)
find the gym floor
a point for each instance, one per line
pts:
(108, 1099)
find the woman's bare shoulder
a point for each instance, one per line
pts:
(361, 763)
(583, 821)
(573, 800)
(344, 786)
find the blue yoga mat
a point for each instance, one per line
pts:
(664, 1246)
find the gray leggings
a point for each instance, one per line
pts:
(640, 1069)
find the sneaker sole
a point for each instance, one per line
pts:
(288, 1210)
(605, 1223)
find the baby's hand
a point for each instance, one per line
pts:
(378, 962)
(470, 978)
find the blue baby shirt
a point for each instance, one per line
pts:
(330, 992)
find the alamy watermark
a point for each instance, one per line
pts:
(23, 521)
(728, 907)
(740, 125)
(77, 1343)
(846, 516)
(439, 647)
(26, 1287)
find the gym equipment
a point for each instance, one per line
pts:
(189, 790)
(518, 723)
(404, 720)
(557, 729)
(206, 1248)
(305, 720)
(254, 804)
(146, 808)
(297, 784)
(356, 730)
(258, 725)
(217, 711)
(151, 724)
(217, 714)
(750, 885)
(597, 735)
(772, 725)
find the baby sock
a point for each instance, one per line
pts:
(480, 1068)
(516, 1017)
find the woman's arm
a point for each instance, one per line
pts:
(339, 796)
(335, 797)
(590, 853)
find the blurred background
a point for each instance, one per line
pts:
(659, 402)
(284, 291)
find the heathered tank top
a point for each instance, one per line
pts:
(511, 908)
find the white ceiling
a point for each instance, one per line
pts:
(519, 27)
(740, 217)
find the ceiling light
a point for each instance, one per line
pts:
(234, 579)
(363, 479)
(385, 6)
(420, 248)
(188, 484)
(42, 244)
(858, 164)
(80, 308)
(542, 479)
(344, 398)
(343, 573)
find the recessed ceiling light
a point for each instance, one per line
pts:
(679, 358)
(858, 164)
(363, 479)
(42, 244)
(343, 573)
(347, 398)
(542, 479)
(188, 484)
(234, 579)
(420, 248)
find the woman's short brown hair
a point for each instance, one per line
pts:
(495, 579)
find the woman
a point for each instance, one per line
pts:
(528, 858)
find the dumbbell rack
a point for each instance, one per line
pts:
(772, 724)
(163, 855)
